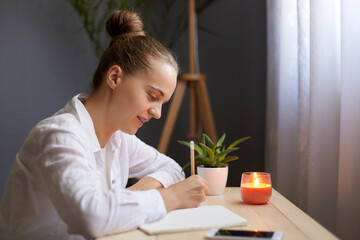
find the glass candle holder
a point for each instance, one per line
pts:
(255, 187)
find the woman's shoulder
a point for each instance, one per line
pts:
(53, 129)
(57, 124)
(72, 117)
(68, 120)
(60, 120)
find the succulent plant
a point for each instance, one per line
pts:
(210, 154)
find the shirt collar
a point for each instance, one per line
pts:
(83, 116)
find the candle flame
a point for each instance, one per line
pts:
(256, 182)
(255, 175)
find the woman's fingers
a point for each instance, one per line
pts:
(188, 193)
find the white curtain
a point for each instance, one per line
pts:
(313, 109)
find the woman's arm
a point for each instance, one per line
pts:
(70, 179)
(146, 183)
(146, 161)
(188, 193)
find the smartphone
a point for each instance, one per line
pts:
(217, 233)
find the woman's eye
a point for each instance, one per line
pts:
(152, 97)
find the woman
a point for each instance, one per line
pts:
(68, 180)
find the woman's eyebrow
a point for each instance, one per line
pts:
(157, 89)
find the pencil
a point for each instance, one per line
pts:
(192, 158)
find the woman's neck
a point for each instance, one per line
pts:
(96, 105)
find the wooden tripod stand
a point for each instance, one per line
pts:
(200, 108)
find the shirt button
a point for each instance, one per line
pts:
(113, 181)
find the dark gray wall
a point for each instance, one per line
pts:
(45, 60)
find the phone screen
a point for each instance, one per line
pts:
(242, 233)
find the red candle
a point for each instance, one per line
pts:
(256, 188)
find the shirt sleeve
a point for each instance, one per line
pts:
(147, 161)
(73, 186)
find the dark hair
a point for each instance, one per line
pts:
(130, 48)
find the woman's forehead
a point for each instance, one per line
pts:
(163, 79)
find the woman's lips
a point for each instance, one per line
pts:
(142, 120)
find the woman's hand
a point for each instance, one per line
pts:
(186, 194)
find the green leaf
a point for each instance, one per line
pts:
(239, 141)
(185, 166)
(184, 143)
(209, 151)
(207, 164)
(203, 139)
(221, 140)
(224, 153)
(218, 149)
(202, 157)
(188, 164)
(198, 149)
(230, 158)
(211, 143)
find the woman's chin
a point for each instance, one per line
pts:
(132, 131)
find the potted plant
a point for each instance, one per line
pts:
(212, 161)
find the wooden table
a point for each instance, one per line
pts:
(279, 214)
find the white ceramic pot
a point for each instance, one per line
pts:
(215, 177)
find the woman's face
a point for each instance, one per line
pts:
(139, 97)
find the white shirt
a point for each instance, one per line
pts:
(105, 172)
(54, 188)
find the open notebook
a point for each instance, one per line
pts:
(202, 217)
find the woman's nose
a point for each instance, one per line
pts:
(156, 111)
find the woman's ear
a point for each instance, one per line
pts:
(114, 76)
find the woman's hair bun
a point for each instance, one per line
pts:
(123, 22)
